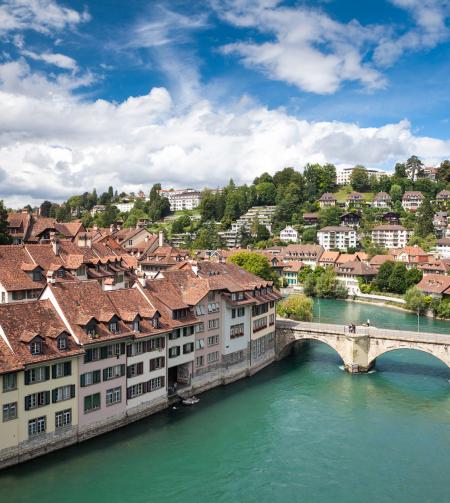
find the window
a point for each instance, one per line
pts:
(90, 378)
(200, 344)
(213, 324)
(37, 374)
(37, 400)
(136, 325)
(37, 426)
(211, 296)
(237, 330)
(114, 327)
(63, 418)
(9, 411)
(157, 363)
(200, 328)
(259, 324)
(37, 276)
(174, 352)
(18, 295)
(135, 390)
(81, 271)
(200, 310)
(155, 322)
(234, 296)
(213, 340)
(113, 395)
(240, 295)
(61, 342)
(3, 297)
(213, 357)
(175, 334)
(156, 383)
(113, 350)
(63, 393)
(91, 402)
(9, 382)
(36, 347)
(155, 343)
(61, 370)
(200, 361)
(188, 348)
(135, 370)
(238, 313)
(271, 319)
(113, 372)
(213, 307)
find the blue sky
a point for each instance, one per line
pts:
(191, 93)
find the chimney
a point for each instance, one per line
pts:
(161, 238)
(51, 277)
(56, 246)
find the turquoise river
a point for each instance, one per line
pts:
(301, 430)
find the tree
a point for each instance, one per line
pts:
(327, 285)
(262, 233)
(208, 238)
(180, 224)
(44, 209)
(415, 300)
(5, 238)
(296, 307)
(414, 167)
(384, 273)
(266, 193)
(253, 262)
(397, 280)
(424, 219)
(443, 173)
(309, 235)
(400, 170)
(330, 216)
(359, 179)
(413, 276)
(396, 193)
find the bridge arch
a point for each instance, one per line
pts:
(331, 343)
(440, 354)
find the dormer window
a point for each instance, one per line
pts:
(114, 327)
(155, 322)
(234, 296)
(37, 276)
(240, 296)
(136, 325)
(91, 329)
(60, 273)
(36, 347)
(61, 342)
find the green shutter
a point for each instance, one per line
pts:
(47, 373)
(105, 374)
(104, 352)
(88, 356)
(122, 369)
(27, 402)
(96, 378)
(27, 377)
(47, 396)
(83, 380)
(72, 391)
(122, 348)
(67, 368)
(54, 395)
(53, 371)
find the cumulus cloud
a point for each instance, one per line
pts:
(53, 145)
(43, 16)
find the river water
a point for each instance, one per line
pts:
(301, 430)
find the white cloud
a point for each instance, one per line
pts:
(59, 60)
(53, 145)
(306, 47)
(44, 16)
(430, 29)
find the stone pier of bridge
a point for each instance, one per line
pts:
(360, 349)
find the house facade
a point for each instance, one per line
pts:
(339, 237)
(390, 236)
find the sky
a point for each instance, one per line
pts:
(193, 93)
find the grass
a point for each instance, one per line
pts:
(343, 192)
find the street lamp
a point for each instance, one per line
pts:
(318, 302)
(418, 320)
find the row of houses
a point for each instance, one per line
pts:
(411, 200)
(79, 360)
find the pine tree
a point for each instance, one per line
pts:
(5, 238)
(425, 214)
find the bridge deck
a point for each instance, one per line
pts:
(373, 332)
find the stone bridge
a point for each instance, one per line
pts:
(359, 350)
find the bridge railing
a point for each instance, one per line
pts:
(371, 331)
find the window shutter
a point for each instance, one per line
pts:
(54, 395)
(72, 391)
(163, 361)
(145, 387)
(47, 396)
(122, 348)
(140, 368)
(163, 379)
(128, 393)
(104, 352)
(67, 368)
(129, 349)
(163, 342)
(129, 371)
(96, 376)
(88, 356)
(27, 377)
(122, 370)
(83, 380)
(152, 365)
(105, 374)
(53, 371)
(27, 402)
(47, 373)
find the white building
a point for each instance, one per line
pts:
(125, 207)
(443, 248)
(390, 236)
(382, 200)
(343, 174)
(289, 234)
(412, 200)
(183, 199)
(337, 237)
